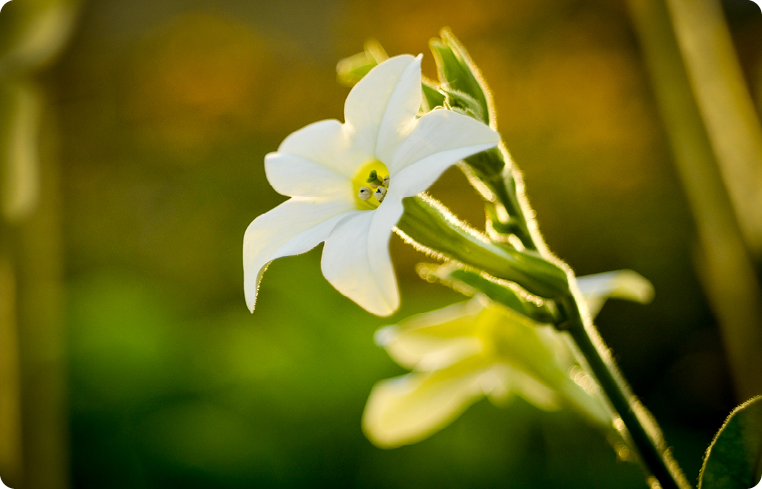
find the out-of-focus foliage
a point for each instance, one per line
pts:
(165, 112)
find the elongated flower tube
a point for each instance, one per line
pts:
(479, 348)
(347, 181)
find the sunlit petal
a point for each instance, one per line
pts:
(410, 408)
(529, 388)
(346, 264)
(328, 144)
(369, 100)
(434, 339)
(440, 139)
(294, 227)
(296, 176)
(385, 217)
(400, 116)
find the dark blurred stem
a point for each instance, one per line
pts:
(641, 429)
(723, 260)
(10, 402)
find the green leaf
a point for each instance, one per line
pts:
(734, 459)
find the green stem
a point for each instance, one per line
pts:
(494, 170)
(493, 173)
(642, 429)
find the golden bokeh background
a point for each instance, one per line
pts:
(155, 120)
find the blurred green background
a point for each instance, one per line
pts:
(156, 119)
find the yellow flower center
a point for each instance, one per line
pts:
(370, 184)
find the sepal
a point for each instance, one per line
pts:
(430, 227)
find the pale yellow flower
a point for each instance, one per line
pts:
(478, 348)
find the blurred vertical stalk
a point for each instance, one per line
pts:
(41, 334)
(33, 404)
(33, 412)
(723, 260)
(726, 108)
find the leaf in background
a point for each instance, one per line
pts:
(733, 459)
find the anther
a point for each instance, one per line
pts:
(380, 193)
(373, 179)
(386, 181)
(365, 193)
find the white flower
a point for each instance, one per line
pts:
(324, 166)
(478, 348)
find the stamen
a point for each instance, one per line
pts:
(368, 178)
(386, 181)
(373, 179)
(380, 193)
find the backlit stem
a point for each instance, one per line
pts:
(637, 426)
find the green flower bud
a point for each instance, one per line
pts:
(458, 73)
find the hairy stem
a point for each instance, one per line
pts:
(641, 428)
(496, 172)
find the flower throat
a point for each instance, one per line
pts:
(370, 185)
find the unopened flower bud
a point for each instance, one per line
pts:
(458, 73)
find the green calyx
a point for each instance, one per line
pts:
(429, 226)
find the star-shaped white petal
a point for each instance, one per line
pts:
(317, 165)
